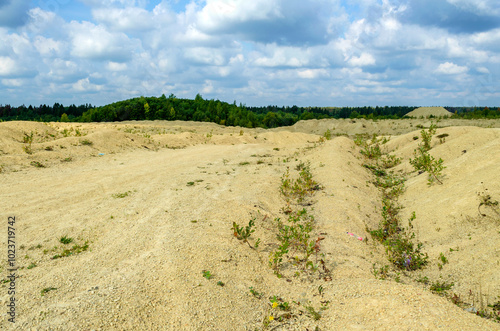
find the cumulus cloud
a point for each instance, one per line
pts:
(449, 68)
(124, 19)
(287, 22)
(95, 42)
(365, 59)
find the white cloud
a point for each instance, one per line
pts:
(126, 19)
(84, 85)
(365, 59)
(449, 68)
(483, 70)
(115, 66)
(95, 42)
(15, 82)
(218, 14)
(47, 46)
(312, 73)
(7, 66)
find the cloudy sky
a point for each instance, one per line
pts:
(257, 52)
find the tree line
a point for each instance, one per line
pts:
(216, 111)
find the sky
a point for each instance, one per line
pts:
(258, 52)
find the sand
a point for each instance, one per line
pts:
(155, 201)
(428, 111)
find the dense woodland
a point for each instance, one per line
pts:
(173, 108)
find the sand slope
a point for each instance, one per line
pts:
(156, 201)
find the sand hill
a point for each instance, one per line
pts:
(429, 111)
(149, 207)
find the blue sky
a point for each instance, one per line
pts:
(259, 52)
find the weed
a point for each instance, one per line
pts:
(86, 142)
(68, 159)
(190, 184)
(295, 237)
(31, 266)
(121, 195)
(423, 161)
(382, 273)
(455, 299)
(427, 137)
(327, 134)
(244, 163)
(389, 161)
(244, 233)
(48, 289)
(439, 288)
(49, 148)
(207, 274)
(315, 315)
(442, 137)
(301, 187)
(443, 258)
(76, 249)
(221, 284)
(255, 293)
(65, 240)
(37, 164)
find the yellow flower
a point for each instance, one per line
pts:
(271, 318)
(275, 304)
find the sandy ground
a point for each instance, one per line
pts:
(155, 202)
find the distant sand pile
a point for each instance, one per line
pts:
(428, 111)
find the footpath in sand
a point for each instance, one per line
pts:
(150, 208)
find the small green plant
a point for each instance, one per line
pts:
(244, 163)
(207, 274)
(86, 142)
(327, 134)
(442, 138)
(381, 273)
(427, 137)
(221, 284)
(49, 148)
(255, 293)
(442, 287)
(443, 258)
(423, 161)
(37, 164)
(190, 184)
(47, 289)
(67, 159)
(31, 266)
(121, 195)
(243, 233)
(315, 315)
(65, 240)
(76, 249)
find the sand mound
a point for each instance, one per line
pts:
(155, 202)
(429, 111)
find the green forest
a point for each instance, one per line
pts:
(216, 111)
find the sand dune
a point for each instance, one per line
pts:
(155, 202)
